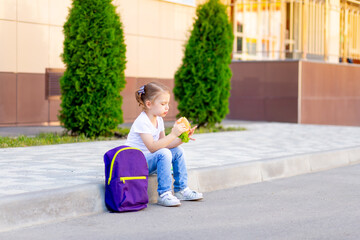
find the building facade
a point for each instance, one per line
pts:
(324, 30)
(31, 42)
(296, 61)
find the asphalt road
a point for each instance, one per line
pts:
(323, 205)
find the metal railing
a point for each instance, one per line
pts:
(296, 29)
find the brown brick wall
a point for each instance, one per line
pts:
(264, 91)
(273, 91)
(261, 91)
(330, 94)
(23, 100)
(7, 98)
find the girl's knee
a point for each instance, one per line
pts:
(165, 154)
(178, 151)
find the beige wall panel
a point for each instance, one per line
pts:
(35, 11)
(149, 18)
(198, 2)
(167, 68)
(129, 15)
(7, 46)
(131, 55)
(148, 57)
(58, 11)
(8, 9)
(56, 47)
(167, 20)
(191, 12)
(33, 47)
(178, 53)
(183, 22)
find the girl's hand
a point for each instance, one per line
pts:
(178, 129)
(192, 130)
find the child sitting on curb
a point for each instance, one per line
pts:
(161, 152)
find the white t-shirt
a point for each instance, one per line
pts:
(142, 124)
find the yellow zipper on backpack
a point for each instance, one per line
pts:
(113, 160)
(123, 179)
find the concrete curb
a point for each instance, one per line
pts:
(228, 176)
(29, 209)
(24, 210)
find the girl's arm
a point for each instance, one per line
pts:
(163, 141)
(178, 141)
(175, 143)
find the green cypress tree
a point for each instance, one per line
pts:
(94, 55)
(202, 82)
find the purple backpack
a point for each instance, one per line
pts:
(126, 179)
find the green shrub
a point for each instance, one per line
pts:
(94, 55)
(202, 83)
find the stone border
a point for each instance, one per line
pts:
(29, 209)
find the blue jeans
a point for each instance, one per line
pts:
(161, 161)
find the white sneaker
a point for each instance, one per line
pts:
(168, 200)
(188, 195)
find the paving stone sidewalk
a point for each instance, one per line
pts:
(58, 182)
(32, 169)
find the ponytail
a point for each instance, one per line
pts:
(140, 95)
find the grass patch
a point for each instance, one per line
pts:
(218, 128)
(41, 139)
(57, 138)
(61, 138)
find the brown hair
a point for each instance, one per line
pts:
(149, 92)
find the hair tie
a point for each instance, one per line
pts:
(142, 90)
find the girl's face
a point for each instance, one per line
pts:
(160, 106)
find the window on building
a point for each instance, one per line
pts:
(296, 29)
(350, 32)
